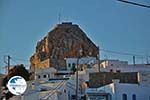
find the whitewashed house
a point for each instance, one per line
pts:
(122, 66)
(119, 91)
(45, 74)
(87, 61)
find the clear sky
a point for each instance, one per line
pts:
(110, 24)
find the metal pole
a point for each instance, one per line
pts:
(8, 63)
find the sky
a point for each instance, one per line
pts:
(110, 24)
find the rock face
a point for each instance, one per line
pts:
(64, 41)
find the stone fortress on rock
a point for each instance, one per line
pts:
(64, 41)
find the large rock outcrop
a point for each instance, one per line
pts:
(64, 41)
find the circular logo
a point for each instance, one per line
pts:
(17, 85)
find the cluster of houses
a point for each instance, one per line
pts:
(104, 80)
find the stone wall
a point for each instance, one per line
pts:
(104, 78)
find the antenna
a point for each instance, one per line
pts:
(147, 60)
(134, 60)
(59, 17)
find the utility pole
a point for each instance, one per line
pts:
(7, 62)
(134, 60)
(80, 54)
(98, 56)
(77, 78)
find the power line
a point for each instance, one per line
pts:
(122, 53)
(19, 59)
(134, 3)
(51, 94)
(15, 59)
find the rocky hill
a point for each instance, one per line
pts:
(64, 41)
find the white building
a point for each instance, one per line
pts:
(119, 91)
(108, 63)
(122, 66)
(45, 74)
(72, 62)
(71, 85)
(50, 90)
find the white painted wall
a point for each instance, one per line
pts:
(49, 73)
(142, 69)
(117, 63)
(118, 89)
(128, 68)
(82, 60)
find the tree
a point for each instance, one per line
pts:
(17, 70)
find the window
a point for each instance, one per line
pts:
(111, 70)
(64, 90)
(124, 96)
(73, 97)
(44, 76)
(69, 65)
(109, 97)
(133, 97)
(73, 65)
(118, 71)
(48, 75)
(111, 65)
